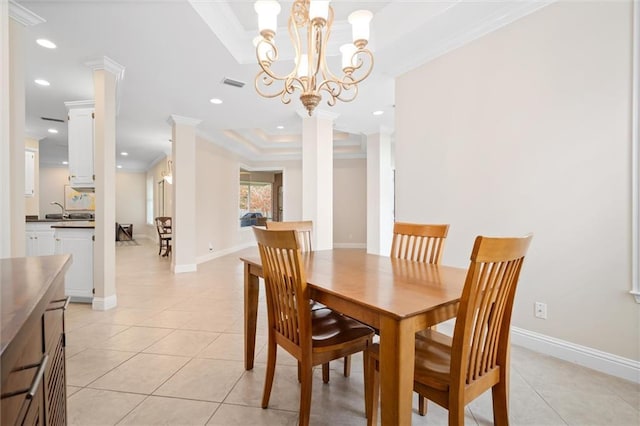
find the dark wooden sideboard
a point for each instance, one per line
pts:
(33, 366)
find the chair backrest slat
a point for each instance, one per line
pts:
(417, 242)
(304, 231)
(481, 334)
(286, 284)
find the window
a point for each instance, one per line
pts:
(256, 197)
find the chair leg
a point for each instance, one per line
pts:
(422, 405)
(500, 397)
(347, 366)
(299, 370)
(456, 414)
(305, 394)
(325, 372)
(372, 396)
(271, 368)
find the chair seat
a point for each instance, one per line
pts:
(432, 359)
(316, 305)
(329, 328)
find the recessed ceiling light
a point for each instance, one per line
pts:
(124, 153)
(65, 162)
(46, 43)
(42, 82)
(378, 112)
(216, 101)
(52, 131)
(280, 127)
(119, 166)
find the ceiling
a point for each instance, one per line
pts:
(177, 52)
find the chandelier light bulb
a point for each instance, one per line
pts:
(359, 21)
(348, 59)
(318, 9)
(309, 27)
(303, 65)
(267, 11)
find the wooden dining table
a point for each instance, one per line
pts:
(395, 296)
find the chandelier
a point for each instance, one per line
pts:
(310, 22)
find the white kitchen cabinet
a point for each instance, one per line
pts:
(81, 140)
(40, 239)
(79, 279)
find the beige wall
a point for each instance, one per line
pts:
(32, 204)
(528, 130)
(350, 202)
(52, 182)
(217, 172)
(131, 200)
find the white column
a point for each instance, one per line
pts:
(5, 120)
(106, 74)
(379, 193)
(317, 176)
(12, 128)
(183, 153)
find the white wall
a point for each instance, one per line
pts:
(350, 203)
(528, 130)
(131, 200)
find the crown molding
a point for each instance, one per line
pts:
(23, 15)
(80, 104)
(107, 64)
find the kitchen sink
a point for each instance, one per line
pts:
(70, 216)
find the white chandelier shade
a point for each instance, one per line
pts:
(309, 27)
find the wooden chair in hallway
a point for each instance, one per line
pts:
(163, 226)
(312, 337)
(304, 231)
(454, 371)
(420, 243)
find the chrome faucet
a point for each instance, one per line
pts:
(64, 212)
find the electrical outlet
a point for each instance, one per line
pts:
(540, 310)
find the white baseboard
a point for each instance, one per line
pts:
(187, 267)
(587, 357)
(350, 245)
(104, 303)
(216, 254)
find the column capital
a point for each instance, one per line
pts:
(79, 104)
(23, 15)
(107, 64)
(187, 121)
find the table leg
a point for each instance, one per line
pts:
(397, 350)
(250, 316)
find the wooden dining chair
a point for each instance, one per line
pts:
(312, 337)
(163, 226)
(304, 231)
(419, 243)
(454, 371)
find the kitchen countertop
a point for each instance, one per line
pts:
(74, 224)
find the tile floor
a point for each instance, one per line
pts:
(171, 354)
